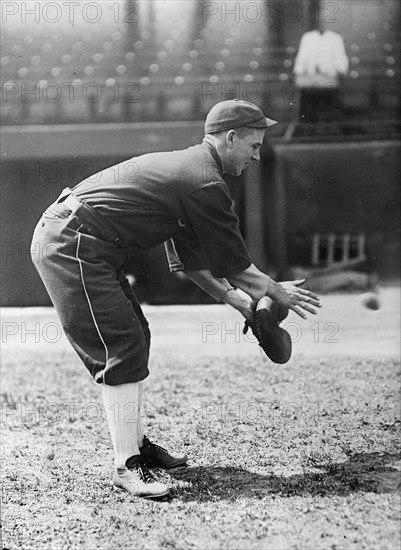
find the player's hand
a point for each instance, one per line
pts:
(299, 299)
(249, 310)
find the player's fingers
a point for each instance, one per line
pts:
(298, 311)
(298, 282)
(307, 298)
(311, 301)
(307, 307)
(308, 293)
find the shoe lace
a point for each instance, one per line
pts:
(139, 466)
(144, 472)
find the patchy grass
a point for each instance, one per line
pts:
(301, 456)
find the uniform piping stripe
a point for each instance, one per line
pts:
(89, 302)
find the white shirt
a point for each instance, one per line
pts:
(321, 53)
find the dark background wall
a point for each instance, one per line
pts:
(156, 79)
(342, 188)
(350, 185)
(41, 161)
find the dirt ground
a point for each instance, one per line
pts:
(299, 456)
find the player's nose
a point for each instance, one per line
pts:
(256, 156)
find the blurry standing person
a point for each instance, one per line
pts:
(320, 62)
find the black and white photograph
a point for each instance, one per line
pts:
(200, 275)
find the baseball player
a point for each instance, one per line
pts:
(179, 198)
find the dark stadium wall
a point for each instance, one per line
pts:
(340, 188)
(29, 185)
(25, 198)
(41, 161)
(299, 189)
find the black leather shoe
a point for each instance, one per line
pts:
(158, 457)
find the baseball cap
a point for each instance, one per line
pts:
(234, 113)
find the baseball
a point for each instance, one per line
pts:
(370, 300)
(131, 279)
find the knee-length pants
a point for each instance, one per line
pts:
(99, 312)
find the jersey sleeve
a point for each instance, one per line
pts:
(211, 219)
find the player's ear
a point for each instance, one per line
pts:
(230, 138)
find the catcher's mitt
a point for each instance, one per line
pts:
(274, 340)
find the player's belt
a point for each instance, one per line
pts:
(89, 218)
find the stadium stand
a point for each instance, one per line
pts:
(146, 72)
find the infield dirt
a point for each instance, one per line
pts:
(299, 456)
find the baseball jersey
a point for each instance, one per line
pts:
(177, 196)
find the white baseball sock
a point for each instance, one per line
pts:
(140, 428)
(122, 411)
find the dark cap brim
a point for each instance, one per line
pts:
(262, 123)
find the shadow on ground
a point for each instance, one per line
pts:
(362, 472)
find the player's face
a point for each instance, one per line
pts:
(242, 151)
